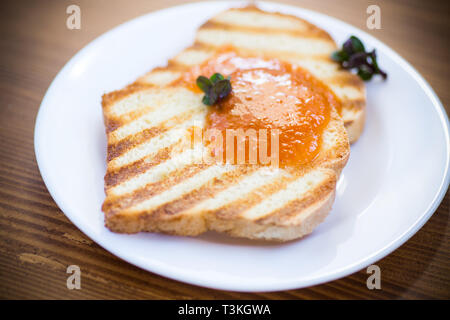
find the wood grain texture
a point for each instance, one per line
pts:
(37, 242)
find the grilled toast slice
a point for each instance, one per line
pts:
(154, 184)
(289, 38)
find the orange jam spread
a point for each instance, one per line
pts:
(270, 94)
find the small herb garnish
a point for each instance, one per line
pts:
(354, 55)
(215, 88)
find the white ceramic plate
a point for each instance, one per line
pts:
(396, 176)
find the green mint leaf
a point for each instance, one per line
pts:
(204, 83)
(222, 88)
(365, 72)
(216, 77)
(347, 47)
(357, 44)
(213, 96)
(206, 100)
(339, 56)
(373, 58)
(356, 59)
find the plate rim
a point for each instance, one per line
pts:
(278, 285)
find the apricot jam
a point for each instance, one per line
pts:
(270, 94)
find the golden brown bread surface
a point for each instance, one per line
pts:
(154, 184)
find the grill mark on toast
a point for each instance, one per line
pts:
(300, 24)
(354, 105)
(346, 79)
(158, 172)
(312, 33)
(205, 46)
(121, 174)
(112, 124)
(118, 203)
(269, 53)
(252, 181)
(180, 66)
(172, 64)
(293, 207)
(119, 148)
(172, 132)
(131, 116)
(108, 99)
(234, 208)
(265, 42)
(167, 67)
(208, 190)
(306, 185)
(141, 102)
(193, 56)
(179, 190)
(154, 118)
(161, 78)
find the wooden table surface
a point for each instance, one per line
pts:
(37, 241)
